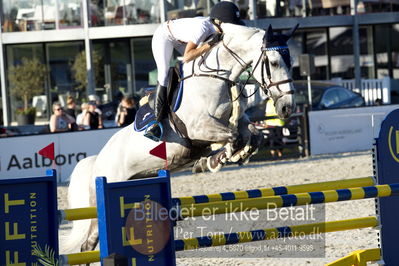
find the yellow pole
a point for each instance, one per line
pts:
(270, 233)
(358, 257)
(296, 230)
(79, 213)
(81, 258)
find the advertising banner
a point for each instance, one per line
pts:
(345, 130)
(19, 155)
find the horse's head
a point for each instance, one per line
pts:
(266, 52)
(273, 71)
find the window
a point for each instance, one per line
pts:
(60, 59)
(144, 68)
(69, 13)
(314, 42)
(183, 9)
(123, 12)
(344, 95)
(341, 51)
(330, 98)
(14, 54)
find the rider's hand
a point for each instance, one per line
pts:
(217, 37)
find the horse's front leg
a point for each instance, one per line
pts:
(254, 142)
(247, 144)
(253, 139)
(210, 129)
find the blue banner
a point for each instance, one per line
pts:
(28, 218)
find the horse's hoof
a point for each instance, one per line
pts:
(200, 166)
(213, 164)
(235, 158)
(247, 148)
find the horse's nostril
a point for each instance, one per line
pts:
(286, 110)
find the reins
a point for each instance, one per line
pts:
(265, 65)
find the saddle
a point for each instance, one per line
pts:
(145, 114)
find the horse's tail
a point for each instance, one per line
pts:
(78, 197)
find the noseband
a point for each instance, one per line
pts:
(266, 64)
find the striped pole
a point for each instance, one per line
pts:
(206, 209)
(91, 212)
(273, 233)
(275, 191)
(243, 237)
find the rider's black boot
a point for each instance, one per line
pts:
(154, 130)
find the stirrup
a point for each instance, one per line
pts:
(149, 134)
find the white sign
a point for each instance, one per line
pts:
(346, 130)
(19, 157)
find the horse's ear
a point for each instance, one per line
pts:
(292, 31)
(270, 35)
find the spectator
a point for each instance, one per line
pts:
(126, 112)
(94, 98)
(275, 127)
(60, 121)
(378, 102)
(79, 118)
(71, 106)
(147, 93)
(92, 118)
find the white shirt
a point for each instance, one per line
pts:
(195, 29)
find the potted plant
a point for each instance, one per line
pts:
(25, 116)
(27, 80)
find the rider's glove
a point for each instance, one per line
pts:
(217, 37)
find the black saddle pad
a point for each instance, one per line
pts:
(144, 115)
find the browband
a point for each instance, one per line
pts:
(275, 48)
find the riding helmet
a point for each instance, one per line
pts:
(226, 12)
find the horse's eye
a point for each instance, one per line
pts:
(274, 64)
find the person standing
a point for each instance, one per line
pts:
(275, 127)
(92, 118)
(79, 118)
(187, 36)
(71, 107)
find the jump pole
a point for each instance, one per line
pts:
(245, 237)
(299, 199)
(275, 191)
(91, 212)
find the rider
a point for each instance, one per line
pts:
(185, 35)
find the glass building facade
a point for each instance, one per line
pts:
(117, 36)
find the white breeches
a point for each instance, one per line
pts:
(162, 49)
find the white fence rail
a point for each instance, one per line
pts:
(371, 89)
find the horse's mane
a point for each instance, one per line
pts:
(237, 30)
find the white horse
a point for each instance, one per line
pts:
(205, 110)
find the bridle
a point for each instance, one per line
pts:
(263, 60)
(266, 64)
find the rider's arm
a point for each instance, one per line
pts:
(193, 51)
